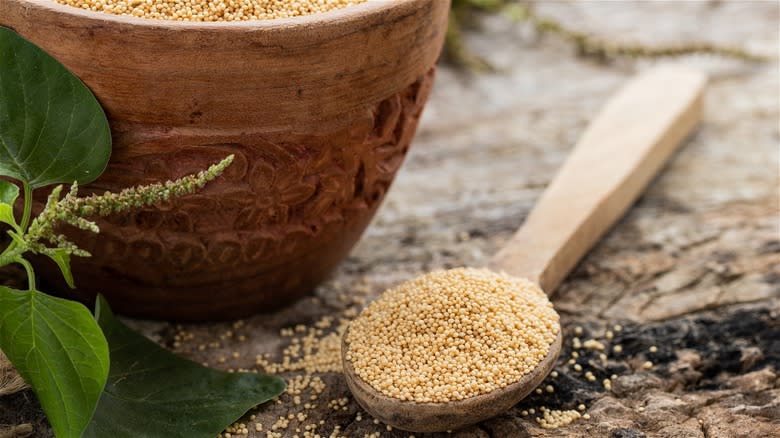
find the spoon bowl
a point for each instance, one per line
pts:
(435, 417)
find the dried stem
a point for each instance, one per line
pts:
(455, 48)
(586, 45)
(18, 431)
(590, 46)
(10, 381)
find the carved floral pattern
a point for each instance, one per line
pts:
(281, 192)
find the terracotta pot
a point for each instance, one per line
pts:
(319, 111)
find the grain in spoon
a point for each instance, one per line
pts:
(614, 160)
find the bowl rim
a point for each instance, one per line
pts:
(341, 15)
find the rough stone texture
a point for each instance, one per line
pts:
(694, 269)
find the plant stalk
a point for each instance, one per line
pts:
(30, 273)
(27, 206)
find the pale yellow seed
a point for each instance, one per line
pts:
(593, 344)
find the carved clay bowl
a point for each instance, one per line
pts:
(318, 110)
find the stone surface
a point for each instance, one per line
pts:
(694, 268)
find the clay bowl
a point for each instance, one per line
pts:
(318, 110)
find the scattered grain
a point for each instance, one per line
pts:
(553, 419)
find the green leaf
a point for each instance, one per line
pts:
(7, 215)
(61, 257)
(52, 129)
(58, 349)
(154, 393)
(8, 194)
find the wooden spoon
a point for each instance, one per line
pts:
(616, 157)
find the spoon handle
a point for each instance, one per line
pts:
(614, 160)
